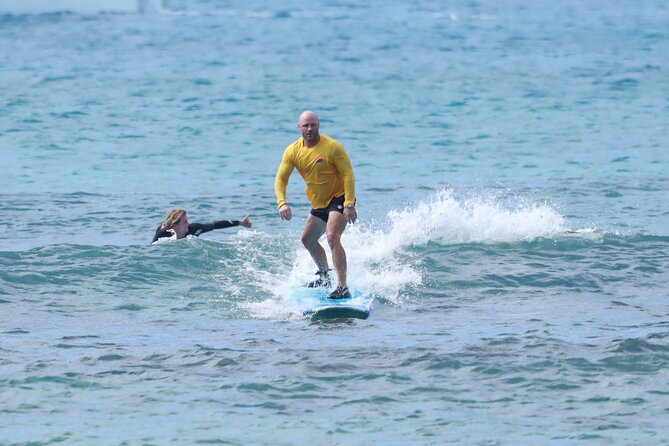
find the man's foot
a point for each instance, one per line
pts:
(322, 281)
(340, 293)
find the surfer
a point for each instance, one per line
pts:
(176, 225)
(326, 168)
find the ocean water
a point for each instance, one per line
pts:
(511, 161)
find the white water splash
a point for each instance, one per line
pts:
(445, 219)
(379, 261)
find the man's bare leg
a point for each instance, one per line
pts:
(313, 230)
(335, 228)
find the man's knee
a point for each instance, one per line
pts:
(307, 240)
(334, 238)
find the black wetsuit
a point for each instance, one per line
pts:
(196, 228)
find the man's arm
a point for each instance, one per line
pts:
(343, 164)
(282, 176)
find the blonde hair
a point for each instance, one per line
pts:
(173, 216)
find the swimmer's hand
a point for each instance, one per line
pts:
(246, 221)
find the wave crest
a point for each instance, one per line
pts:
(448, 220)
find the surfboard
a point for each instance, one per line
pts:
(316, 304)
(340, 310)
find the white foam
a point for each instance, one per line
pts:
(447, 220)
(379, 260)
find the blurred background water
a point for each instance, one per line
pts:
(511, 163)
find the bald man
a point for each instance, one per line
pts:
(326, 168)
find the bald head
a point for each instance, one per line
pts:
(307, 114)
(309, 126)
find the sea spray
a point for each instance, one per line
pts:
(380, 261)
(446, 219)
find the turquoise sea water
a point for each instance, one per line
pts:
(511, 161)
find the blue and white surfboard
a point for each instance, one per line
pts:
(316, 304)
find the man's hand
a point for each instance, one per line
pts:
(285, 212)
(350, 214)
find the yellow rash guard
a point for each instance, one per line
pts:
(326, 168)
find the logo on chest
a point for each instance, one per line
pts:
(320, 163)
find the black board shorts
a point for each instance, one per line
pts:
(336, 204)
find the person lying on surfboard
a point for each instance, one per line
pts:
(326, 168)
(176, 225)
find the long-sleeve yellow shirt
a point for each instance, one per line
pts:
(325, 167)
